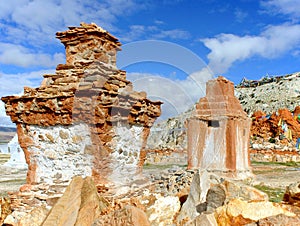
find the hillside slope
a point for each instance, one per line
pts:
(270, 94)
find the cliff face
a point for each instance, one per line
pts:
(85, 119)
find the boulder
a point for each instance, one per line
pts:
(209, 191)
(164, 210)
(204, 220)
(79, 205)
(280, 219)
(129, 216)
(292, 194)
(5, 209)
(238, 212)
(34, 217)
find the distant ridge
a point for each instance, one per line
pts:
(7, 129)
(269, 94)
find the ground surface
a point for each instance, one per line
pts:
(269, 177)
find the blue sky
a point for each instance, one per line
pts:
(231, 38)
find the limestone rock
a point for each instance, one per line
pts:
(164, 210)
(280, 219)
(79, 205)
(292, 194)
(197, 195)
(209, 191)
(129, 216)
(271, 94)
(5, 209)
(35, 217)
(238, 212)
(204, 220)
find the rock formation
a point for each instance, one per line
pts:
(218, 133)
(270, 95)
(274, 136)
(85, 119)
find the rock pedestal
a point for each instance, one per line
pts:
(85, 119)
(218, 133)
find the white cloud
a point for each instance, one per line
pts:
(178, 95)
(13, 84)
(286, 7)
(21, 56)
(229, 48)
(33, 23)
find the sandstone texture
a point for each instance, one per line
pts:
(79, 205)
(85, 119)
(218, 132)
(238, 212)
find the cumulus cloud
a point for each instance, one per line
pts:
(229, 48)
(178, 95)
(286, 7)
(31, 24)
(13, 84)
(19, 55)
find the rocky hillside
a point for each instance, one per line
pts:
(169, 134)
(269, 94)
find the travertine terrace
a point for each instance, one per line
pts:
(218, 133)
(85, 119)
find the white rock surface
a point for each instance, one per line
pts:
(17, 157)
(59, 152)
(163, 211)
(271, 96)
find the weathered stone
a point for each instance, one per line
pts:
(218, 132)
(79, 205)
(238, 212)
(5, 209)
(209, 191)
(204, 220)
(280, 219)
(292, 194)
(35, 217)
(164, 210)
(129, 215)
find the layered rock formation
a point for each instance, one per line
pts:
(271, 95)
(85, 119)
(218, 133)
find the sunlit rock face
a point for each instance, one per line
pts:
(218, 133)
(85, 119)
